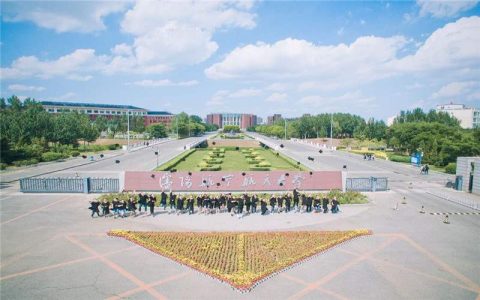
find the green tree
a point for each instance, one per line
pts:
(156, 131)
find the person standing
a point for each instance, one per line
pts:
(254, 203)
(273, 202)
(94, 207)
(151, 205)
(325, 202)
(115, 206)
(263, 207)
(295, 200)
(280, 203)
(122, 208)
(163, 200)
(316, 204)
(105, 208)
(191, 209)
(309, 203)
(248, 203)
(172, 202)
(288, 203)
(142, 202)
(240, 207)
(335, 205)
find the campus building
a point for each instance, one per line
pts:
(272, 119)
(468, 174)
(468, 117)
(109, 111)
(241, 120)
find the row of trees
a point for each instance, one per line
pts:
(27, 130)
(340, 125)
(436, 134)
(193, 125)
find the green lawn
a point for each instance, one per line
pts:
(233, 161)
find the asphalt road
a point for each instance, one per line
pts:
(52, 249)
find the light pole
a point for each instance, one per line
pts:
(176, 121)
(128, 130)
(331, 131)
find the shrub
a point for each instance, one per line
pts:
(264, 164)
(451, 168)
(255, 168)
(3, 166)
(51, 156)
(25, 162)
(75, 153)
(113, 147)
(399, 158)
(203, 164)
(211, 168)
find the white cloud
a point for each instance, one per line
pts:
(453, 47)
(292, 58)
(22, 88)
(277, 87)
(456, 89)
(220, 97)
(345, 101)
(73, 66)
(62, 16)
(277, 97)
(444, 8)
(166, 34)
(206, 15)
(162, 82)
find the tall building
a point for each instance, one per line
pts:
(109, 111)
(241, 120)
(272, 119)
(468, 117)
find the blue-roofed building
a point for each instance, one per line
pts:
(95, 110)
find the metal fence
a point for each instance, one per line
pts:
(371, 184)
(69, 185)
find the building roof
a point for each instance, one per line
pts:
(77, 104)
(159, 113)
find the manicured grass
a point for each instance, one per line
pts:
(234, 160)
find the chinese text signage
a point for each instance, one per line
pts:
(232, 181)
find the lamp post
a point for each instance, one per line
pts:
(128, 130)
(331, 131)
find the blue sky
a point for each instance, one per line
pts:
(369, 58)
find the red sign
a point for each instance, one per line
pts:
(232, 181)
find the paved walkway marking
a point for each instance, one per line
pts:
(117, 268)
(342, 269)
(322, 289)
(33, 211)
(63, 264)
(150, 285)
(442, 264)
(456, 213)
(400, 267)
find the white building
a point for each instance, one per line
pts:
(468, 117)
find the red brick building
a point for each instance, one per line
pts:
(241, 120)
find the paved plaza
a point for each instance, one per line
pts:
(52, 249)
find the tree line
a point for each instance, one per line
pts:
(435, 134)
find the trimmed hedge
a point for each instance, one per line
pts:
(51, 156)
(256, 168)
(211, 168)
(399, 158)
(174, 162)
(451, 168)
(264, 164)
(25, 162)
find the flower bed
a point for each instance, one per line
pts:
(241, 259)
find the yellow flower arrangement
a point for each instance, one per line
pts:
(241, 259)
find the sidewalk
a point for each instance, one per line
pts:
(466, 199)
(51, 167)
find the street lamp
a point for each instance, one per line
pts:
(156, 154)
(128, 130)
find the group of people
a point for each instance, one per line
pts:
(424, 170)
(240, 205)
(368, 156)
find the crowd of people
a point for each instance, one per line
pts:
(239, 205)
